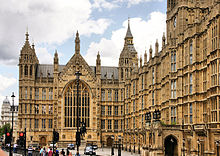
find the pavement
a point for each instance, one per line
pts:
(99, 152)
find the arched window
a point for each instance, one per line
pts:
(25, 70)
(31, 70)
(70, 102)
(21, 70)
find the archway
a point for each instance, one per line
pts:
(109, 141)
(171, 146)
(42, 141)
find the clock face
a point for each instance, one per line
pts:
(174, 22)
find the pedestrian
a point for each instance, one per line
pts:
(30, 151)
(50, 153)
(62, 152)
(44, 153)
(41, 151)
(57, 152)
(67, 152)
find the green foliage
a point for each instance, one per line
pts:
(4, 128)
(162, 123)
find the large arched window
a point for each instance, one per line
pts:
(70, 102)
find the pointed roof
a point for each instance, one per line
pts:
(128, 34)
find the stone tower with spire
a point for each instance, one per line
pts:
(128, 58)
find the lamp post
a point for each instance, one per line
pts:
(119, 145)
(12, 123)
(112, 152)
(183, 147)
(217, 145)
(78, 74)
(198, 142)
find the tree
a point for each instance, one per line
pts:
(4, 128)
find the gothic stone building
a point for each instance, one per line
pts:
(181, 81)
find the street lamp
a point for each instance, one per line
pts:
(183, 147)
(12, 125)
(217, 145)
(112, 152)
(119, 145)
(198, 142)
(78, 74)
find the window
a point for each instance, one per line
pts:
(122, 95)
(102, 124)
(116, 95)
(214, 35)
(43, 123)
(127, 123)
(43, 93)
(21, 107)
(127, 92)
(50, 109)
(191, 113)
(116, 110)
(50, 123)
(70, 104)
(25, 123)
(109, 95)
(109, 110)
(36, 93)
(173, 115)
(30, 108)
(142, 81)
(121, 110)
(153, 76)
(109, 124)
(173, 88)
(134, 122)
(21, 92)
(204, 79)
(152, 98)
(30, 92)
(205, 112)
(173, 61)
(214, 109)
(134, 87)
(30, 125)
(205, 48)
(116, 124)
(191, 52)
(190, 84)
(214, 73)
(103, 94)
(36, 123)
(133, 105)
(43, 109)
(185, 111)
(174, 22)
(51, 94)
(142, 121)
(25, 70)
(122, 73)
(25, 93)
(122, 125)
(25, 108)
(126, 108)
(103, 110)
(36, 109)
(142, 102)
(31, 70)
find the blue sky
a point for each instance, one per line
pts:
(52, 24)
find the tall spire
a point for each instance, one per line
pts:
(128, 34)
(145, 58)
(77, 43)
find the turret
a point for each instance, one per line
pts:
(27, 60)
(156, 48)
(163, 40)
(56, 61)
(98, 65)
(145, 58)
(150, 51)
(77, 43)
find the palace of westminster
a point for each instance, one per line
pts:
(166, 104)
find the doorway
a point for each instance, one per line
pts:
(171, 146)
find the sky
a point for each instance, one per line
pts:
(52, 25)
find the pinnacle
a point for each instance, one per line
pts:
(128, 34)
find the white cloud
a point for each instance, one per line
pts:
(6, 82)
(145, 33)
(99, 4)
(50, 22)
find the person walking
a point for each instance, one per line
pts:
(50, 153)
(30, 151)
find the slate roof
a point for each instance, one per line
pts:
(106, 72)
(128, 34)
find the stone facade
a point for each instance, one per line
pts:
(181, 81)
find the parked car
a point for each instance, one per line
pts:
(71, 146)
(89, 150)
